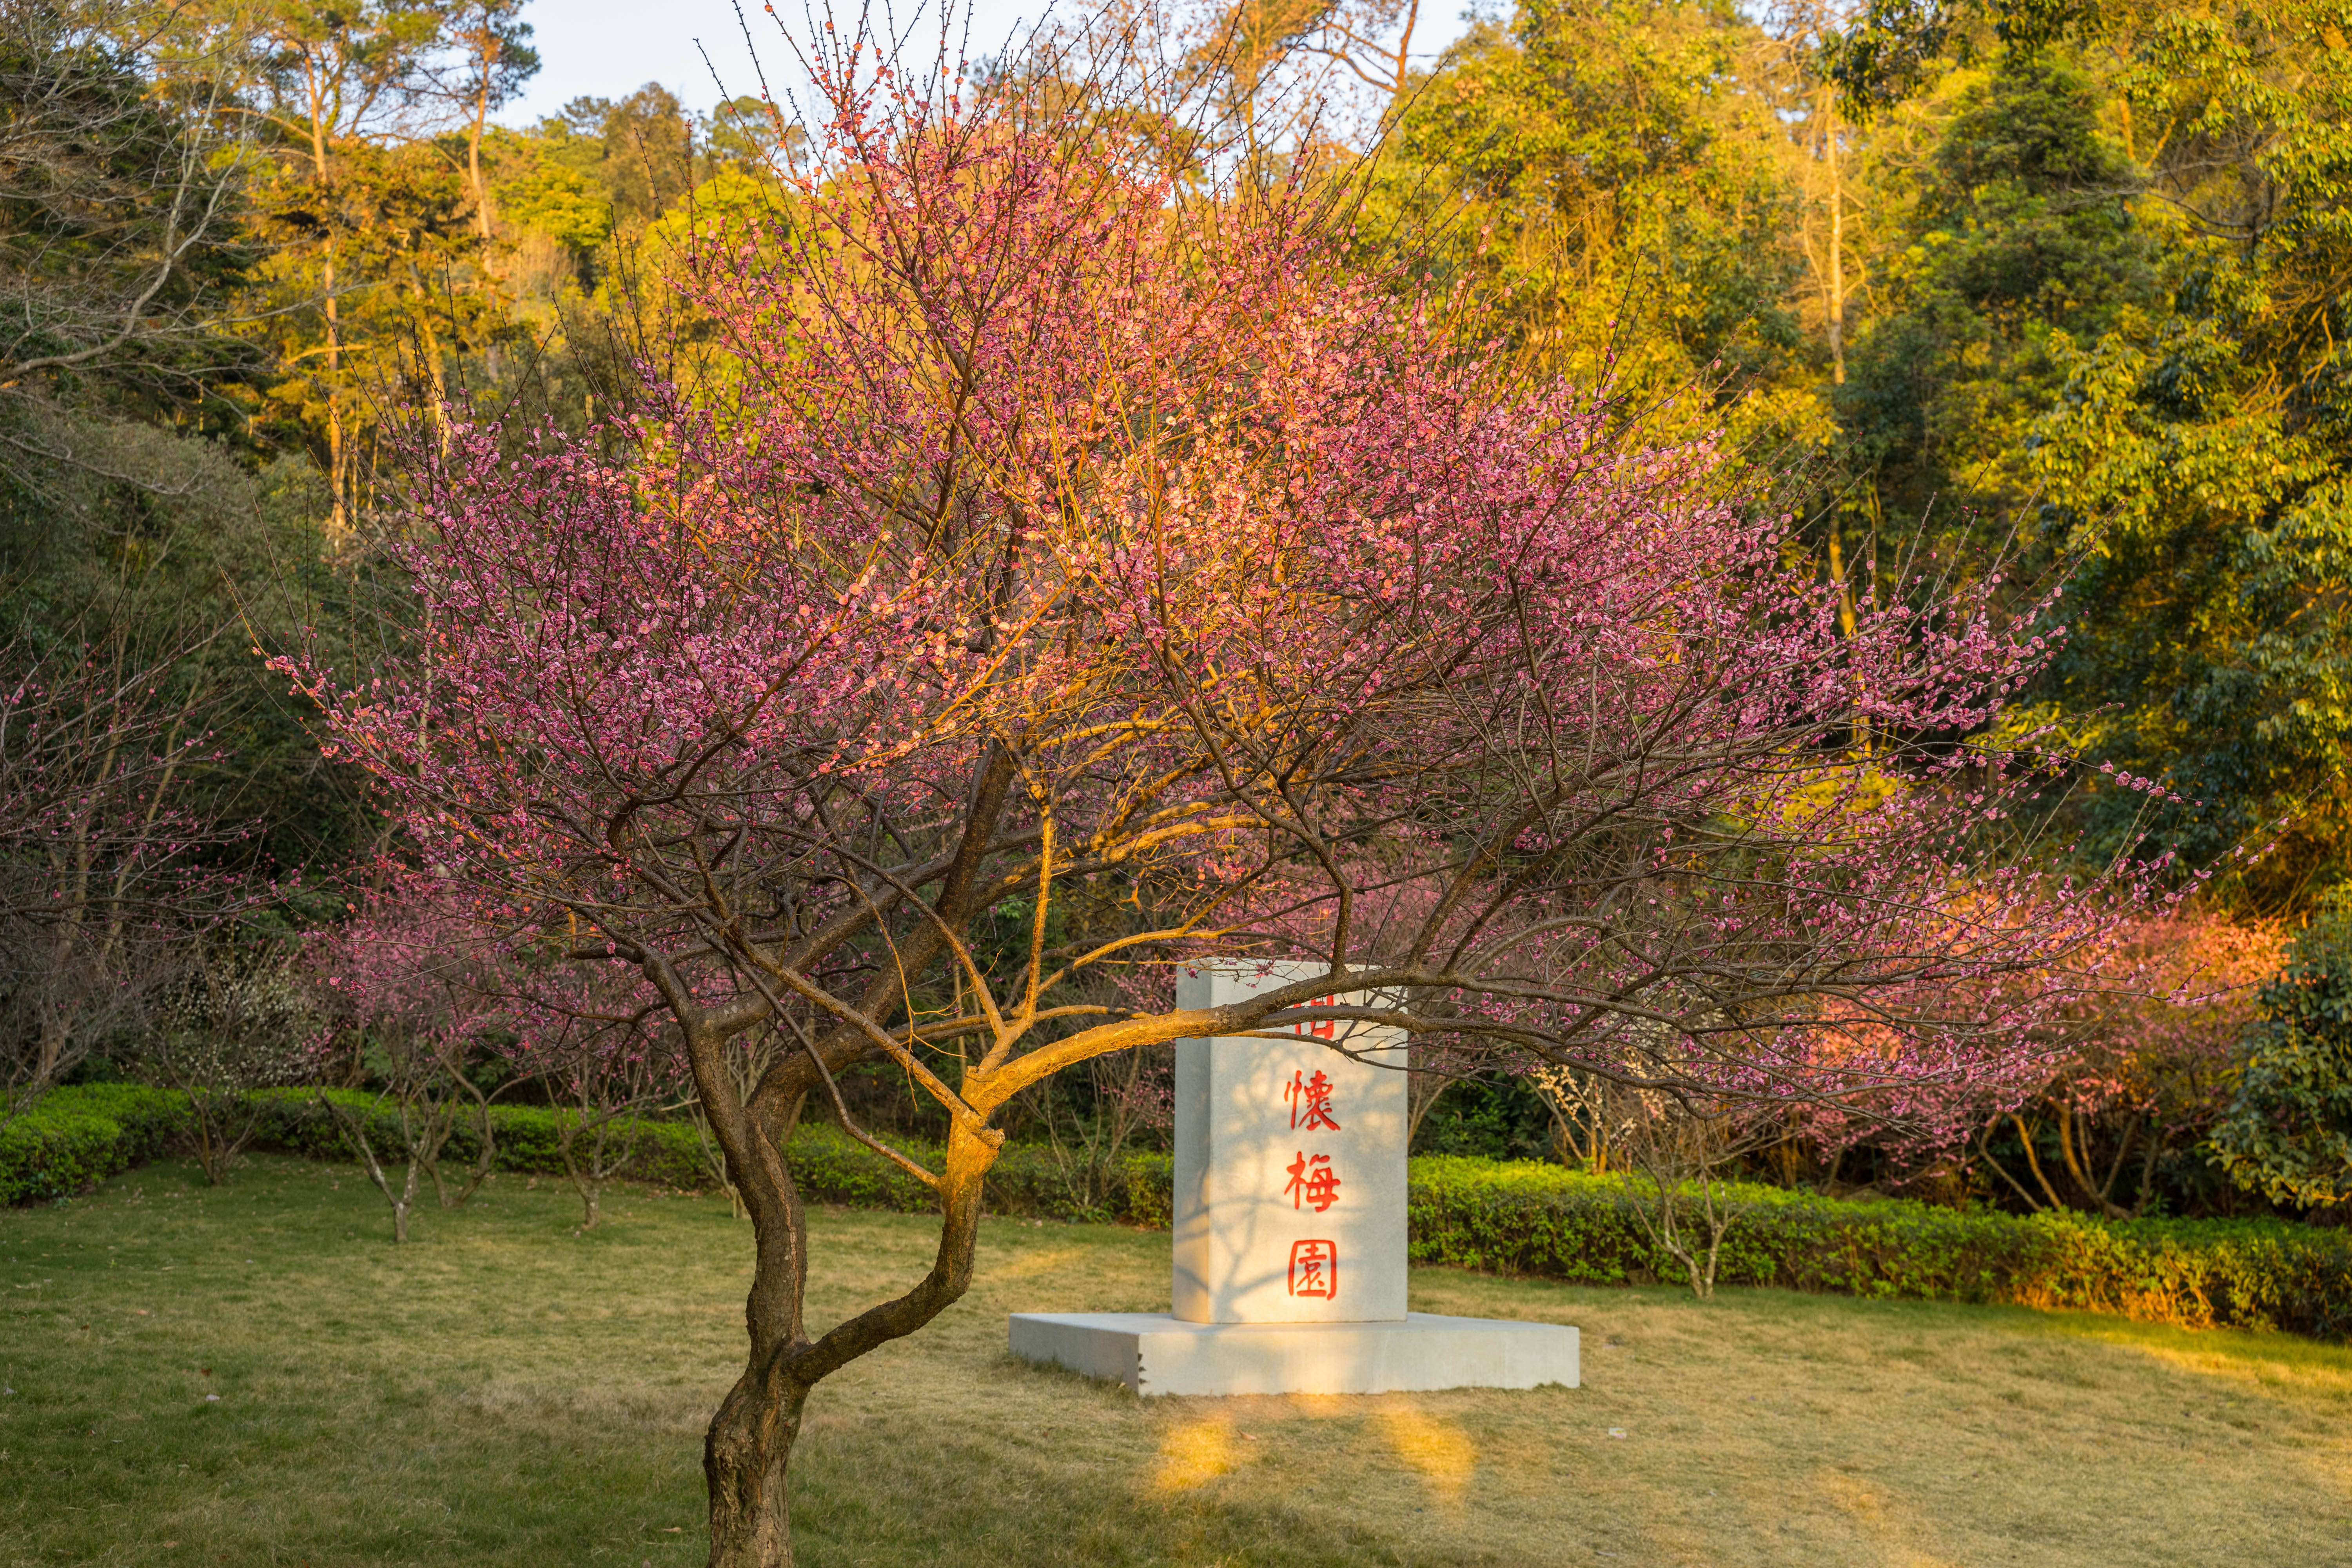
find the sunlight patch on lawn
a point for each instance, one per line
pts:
(1867, 1506)
(1031, 1265)
(1440, 1450)
(1193, 1454)
(2232, 1354)
(2239, 1368)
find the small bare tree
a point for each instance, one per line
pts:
(1586, 1131)
(420, 1009)
(1435, 1066)
(604, 1079)
(745, 1067)
(423, 1084)
(1677, 1149)
(1125, 1094)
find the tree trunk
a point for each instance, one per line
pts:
(2033, 1163)
(588, 1173)
(1404, 54)
(750, 1442)
(749, 1446)
(338, 513)
(474, 158)
(744, 1459)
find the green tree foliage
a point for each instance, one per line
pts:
(2065, 276)
(2015, 236)
(2287, 1133)
(2202, 445)
(1605, 178)
(2060, 279)
(2113, 320)
(637, 153)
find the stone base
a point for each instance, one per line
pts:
(1152, 1352)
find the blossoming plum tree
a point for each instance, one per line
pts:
(1078, 569)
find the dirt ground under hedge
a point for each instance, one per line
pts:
(257, 1375)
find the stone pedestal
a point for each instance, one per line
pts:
(1152, 1352)
(1289, 1252)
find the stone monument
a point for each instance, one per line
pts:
(1289, 1272)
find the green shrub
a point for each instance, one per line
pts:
(74, 1138)
(830, 1167)
(1028, 1180)
(1539, 1219)
(2287, 1133)
(527, 1137)
(1526, 1217)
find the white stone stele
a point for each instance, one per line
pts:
(1244, 1126)
(1289, 1252)
(1152, 1352)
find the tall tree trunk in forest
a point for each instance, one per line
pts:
(1837, 577)
(339, 514)
(1405, 49)
(338, 520)
(1837, 246)
(474, 161)
(429, 355)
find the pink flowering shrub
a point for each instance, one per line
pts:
(2131, 1077)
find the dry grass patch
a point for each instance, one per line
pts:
(504, 1391)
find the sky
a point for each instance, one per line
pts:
(608, 48)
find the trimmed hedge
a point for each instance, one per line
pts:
(1028, 1180)
(77, 1137)
(1524, 1217)
(1510, 1217)
(73, 1138)
(830, 1167)
(665, 1152)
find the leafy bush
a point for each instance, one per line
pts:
(665, 1152)
(2288, 1131)
(830, 1166)
(77, 1137)
(1028, 1179)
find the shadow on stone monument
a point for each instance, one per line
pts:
(1290, 1233)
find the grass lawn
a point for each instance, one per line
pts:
(257, 1375)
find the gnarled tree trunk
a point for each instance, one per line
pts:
(744, 1459)
(747, 1451)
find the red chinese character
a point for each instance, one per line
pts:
(1324, 1030)
(1315, 1270)
(1310, 1103)
(1312, 1181)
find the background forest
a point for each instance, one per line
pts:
(2063, 279)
